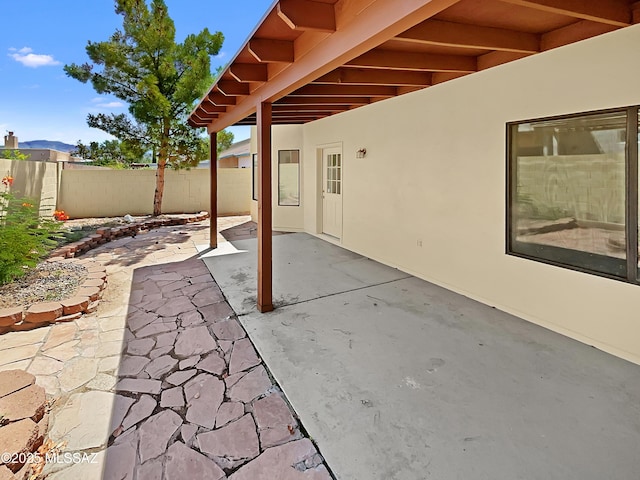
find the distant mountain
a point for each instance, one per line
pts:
(50, 144)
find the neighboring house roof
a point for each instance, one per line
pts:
(311, 59)
(238, 149)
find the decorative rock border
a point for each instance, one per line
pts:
(88, 295)
(104, 235)
(23, 424)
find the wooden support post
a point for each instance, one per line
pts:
(213, 173)
(265, 294)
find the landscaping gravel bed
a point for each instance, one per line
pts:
(49, 281)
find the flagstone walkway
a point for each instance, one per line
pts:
(162, 381)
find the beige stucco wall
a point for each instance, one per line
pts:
(284, 137)
(33, 179)
(89, 193)
(429, 197)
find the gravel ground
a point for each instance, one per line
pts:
(49, 281)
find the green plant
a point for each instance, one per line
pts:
(12, 154)
(25, 237)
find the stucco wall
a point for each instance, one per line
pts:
(429, 197)
(286, 218)
(89, 193)
(33, 179)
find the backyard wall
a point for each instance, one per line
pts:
(429, 197)
(106, 193)
(33, 179)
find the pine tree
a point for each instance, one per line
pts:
(160, 80)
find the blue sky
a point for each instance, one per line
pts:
(39, 102)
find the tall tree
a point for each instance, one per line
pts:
(160, 80)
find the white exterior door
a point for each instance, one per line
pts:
(332, 192)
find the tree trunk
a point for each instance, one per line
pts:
(162, 163)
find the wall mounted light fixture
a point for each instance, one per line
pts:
(361, 153)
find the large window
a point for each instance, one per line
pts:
(289, 177)
(573, 192)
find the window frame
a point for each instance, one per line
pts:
(298, 177)
(254, 175)
(631, 273)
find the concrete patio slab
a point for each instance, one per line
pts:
(325, 269)
(398, 379)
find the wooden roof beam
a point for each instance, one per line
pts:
(344, 91)
(200, 121)
(338, 100)
(307, 15)
(271, 51)
(232, 88)
(611, 12)
(379, 58)
(209, 108)
(438, 32)
(362, 25)
(249, 72)
(574, 33)
(221, 100)
(308, 108)
(370, 76)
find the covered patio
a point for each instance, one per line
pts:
(393, 376)
(310, 59)
(398, 379)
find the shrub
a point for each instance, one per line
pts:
(25, 237)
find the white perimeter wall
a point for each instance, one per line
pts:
(107, 193)
(435, 172)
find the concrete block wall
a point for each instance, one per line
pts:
(34, 180)
(106, 193)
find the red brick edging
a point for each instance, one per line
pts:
(88, 295)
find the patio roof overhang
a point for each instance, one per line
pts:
(314, 58)
(309, 59)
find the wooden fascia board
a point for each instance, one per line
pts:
(450, 34)
(370, 76)
(611, 12)
(392, 59)
(307, 15)
(361, 27)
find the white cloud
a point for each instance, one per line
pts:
(27, 58)
(110, 105)
(106, 103)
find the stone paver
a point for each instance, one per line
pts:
(183, 462)
(156, 432)
(161, 382)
